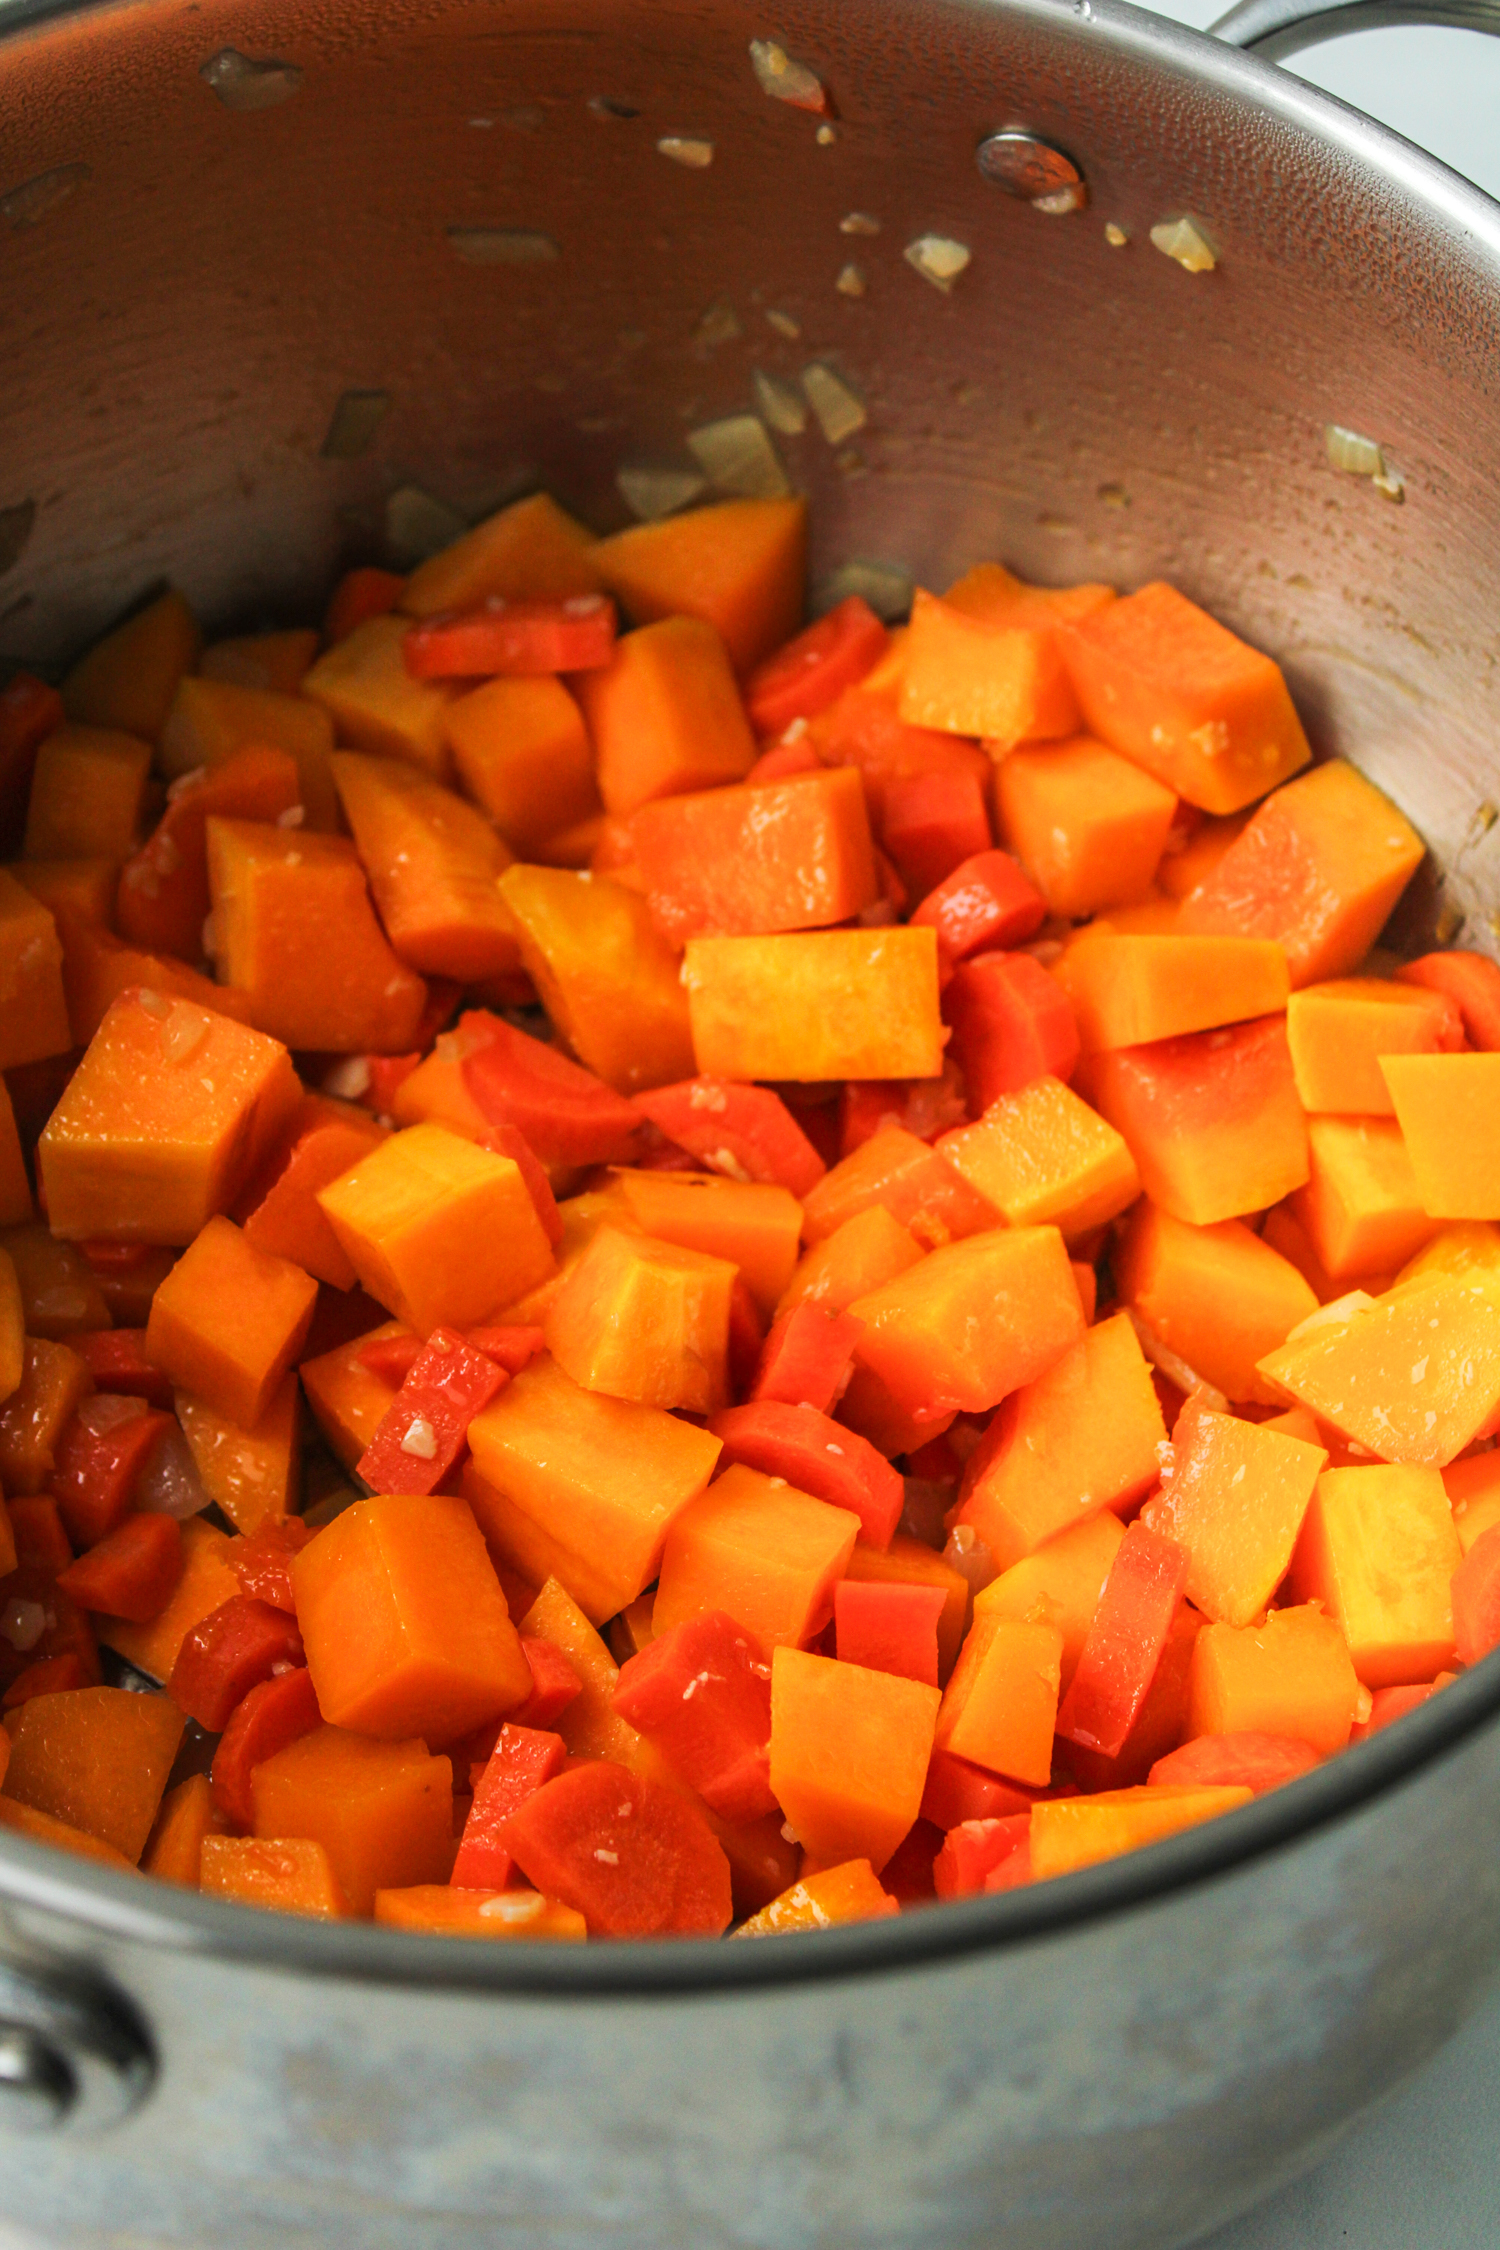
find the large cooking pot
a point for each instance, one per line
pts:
(229, 226)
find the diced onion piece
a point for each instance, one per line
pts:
(850, 281)
(719, 325)
(938, 259)
(106, 1410)
(1114, 235)
(737, 457)
(417, 525)
(22, 1624)
(840, 410)
(688, 149)
(778, 404)
(1184, 241)
(1357, 456)
(652, 493)
(169, 1484)
(885, 586)
(786, 81)
(784, 325)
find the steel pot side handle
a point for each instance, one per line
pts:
(72, 2051)
(1274, 29)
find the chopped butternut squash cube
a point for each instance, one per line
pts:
(96, 1757)
(1000, 1707)
(973, 1322)
(738, 564)
(1378, 1550)
(212, 719)
(88, 795)
(665, 715)
(383, 1811)
(608, 980)
(33, 1006)
(229, 1320)
(1126, 990)
(1338, 1031)
(1217, 1296)
(128, 678)
(252, 1474)
(523, 753)
(1042, 1157)
(816, 1004)
(1236, 1500)
(849, 1754)
(1072, 1832)
(375, 704)
(645, 1320)
(1088, 826)
(433, 864)
(1448, 1107)
(530, 551)
(292, 1875)
(1291, 1676)
(759, 1549)
(1362, 1208)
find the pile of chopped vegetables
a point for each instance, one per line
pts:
(716, 1276)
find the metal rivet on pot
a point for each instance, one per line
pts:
(1034, 171)
(37, 2088)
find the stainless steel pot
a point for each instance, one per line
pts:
(222, 220)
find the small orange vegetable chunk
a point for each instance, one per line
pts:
(206, 1583)
(188, 1815)
(909, 1562)
(1448, 1107)
(1362, 1208)
(1379, 1550)
(751, 1223)
(794, 854)
(524, 754)
(645, 1320)
(439, 1908)
(849, 1754)
(850, 1892)
(605, 975)
(600, 1480)
(1059, 1584)
(375, 704)
(1289, 1676)
(1338, 1031)
(738, 564)
(1218, 1296)
(968, 674)
(88, 795)
(433, 862)
(252, 1474)
(532, 550)
(404, 1622)
(288, 1219)
(33, 1007)
(128, 678)
(1166, 685)
(277, 661)
(759, 1549)
(1318, 867)
(229, 1320)
(54, 1382)
(816, 1004)
(862, 1253)
(96, 1757)
(42, 1828)
(900, 1175)
(1236, 1501)
(973, 1322)
(1042, 1157)
(1127, 990)
(590, 1725)
(169, 1112)
(348, 1399)
(211, 720)
(1000, 1707)
(441, 1231)
(665, 715)
(1074, 1832)
(1088, 826)
(293, 1875)
(383, 1811)
(1413, 1378)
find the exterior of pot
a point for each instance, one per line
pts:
(466, 212)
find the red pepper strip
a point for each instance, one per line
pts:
(522, 1759)
(1124, 1642)
(424, 1429)
(1476, 1598)
(508, 1140)
(1248, 1761)
(98, 1468)
(267, 1717)
(986, 901)
(513, 640)
(262, 1562)
(633, 1857)
(817, 1456)
(116, 1357)
(510, 1348)
(888, 1628)
(812, 671)
(957, 1791)
(235, 1647)
(360, 595)
(745, 1131)
(1012, 1022)
(133, 1571)
(807, 1356)
(567, 1115)
(55, 1675)
(554, 1684)
(781, 761)
(1469, 980)
(973, 1851)
(702, 1693)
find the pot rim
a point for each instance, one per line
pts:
(163, 1915)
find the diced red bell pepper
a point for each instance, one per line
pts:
(1388, 1704)
(806, 1358)
(812, 671)
(1124, 1643)
(907, 1875)
(782, 760)
(36, 1525)
(924, 1106)
(988, 900)
(975, 1850)
(513, 639)
(262, 1562)
(1012, 1022)
(888, 1627)
(746, 1132)
(522, 1759)
(957, 1791)
(392, 1358)
(29, 712)
(100, 1457)
(817, 1456)
(1469, 979)
(1013, 1872)
(1476, 1599)
(932, 823)
(510, 1348)
(702, 1693)
(426, 1426)
(116, 1357)
(269, 1716)
(55, 1675)
(509, 1140)
(554, 1684)
(566, 1114)
(236, 1646)
(1235, 1761)
(132, 1572)
(360, 595)
(631, 1856)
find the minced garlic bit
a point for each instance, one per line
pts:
(859, 222)
(652, 493)
(420, 1441)
(687, 149)
(348, 1079)
(784, 324)
(1115, 236)
(153, 1003)
(840, 410)
(514, 1906)
(938, 259)
(778, 403)
(1184, 241)
(738, 458)
(851, 281)
(784, 80)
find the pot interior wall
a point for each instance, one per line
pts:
(193, 286)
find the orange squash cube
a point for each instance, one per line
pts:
(33, 1007)
(1126, 991)
(42, 1828)
(609, 981)
(645, 1320)
(590, 1725)
(1059, 1584)
(913, 1183)
(1470, 1246)
(973, 1322)
(1042, 1157)
(1072, 1832)
(1338, 1031)
(128, 678)
(277, 661)
(188, 1814)
(53, 1384)
(88, 795)
(759, 1549)
(288, 1219)
(375, 704)
(229, 1320)
(253, 1474)
(816, 1004)
(433, 863)
(12, 1333)
(1082, 1437)
(383, 1811)
(754, 1225)
(850, 1892)
(1000, 1707)
(212, 719)
(96, 1757)
(665, 715)
(849, 1754)
(1088, 826)
(739, 564)
(964, 673)
(790, 854)
(1378, 1551)
(530, 551)
(602, 1479)
(862, 1254)
(84, 888)
(98, 968)
(523, 753)
(1218, 1296)
(404, 1622)
(1236, 1502)
(1362, 1208)
(293, 1875)
(441, 1231)
(1291, 1675)
(445, 1912)
(206, 1583)
(348, 1401)
(1448, 1107)
(171, 1109)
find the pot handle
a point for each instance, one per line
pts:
(1276, 28)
